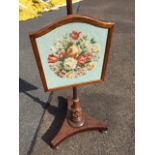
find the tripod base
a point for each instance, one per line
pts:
(67, 130)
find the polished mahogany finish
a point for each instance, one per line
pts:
(67, 130)
(76, 116)
(71, 19)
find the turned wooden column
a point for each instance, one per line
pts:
(76, 117)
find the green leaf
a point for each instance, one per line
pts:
(92, 41)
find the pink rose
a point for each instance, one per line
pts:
(52, 58)
(62, 54)
(88, 56)
(61, 74)
(75, 35)
(82, 60)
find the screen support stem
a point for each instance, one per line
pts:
(76, 118)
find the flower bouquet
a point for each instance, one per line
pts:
(74, 55)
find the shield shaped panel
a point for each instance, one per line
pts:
(72, 51)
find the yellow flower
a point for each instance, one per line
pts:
(73, 51)
(95, 48)
(91, 65)
(70, 74)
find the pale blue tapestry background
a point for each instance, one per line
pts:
(45, 42)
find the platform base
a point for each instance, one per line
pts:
(67, 130)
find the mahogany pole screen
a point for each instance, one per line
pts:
(72, 51)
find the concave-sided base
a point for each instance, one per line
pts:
(67, 130)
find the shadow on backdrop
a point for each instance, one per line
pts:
(59, 112)
(25, 86)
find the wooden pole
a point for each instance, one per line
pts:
(74, 92)
(76, 104)
(69, 7)
(76, 118)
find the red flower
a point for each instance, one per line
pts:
(82, 60)
(52, 58)
(88, 56)
(75, 35)
(61, 74)
(62, 54)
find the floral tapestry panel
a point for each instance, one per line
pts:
(72, 54)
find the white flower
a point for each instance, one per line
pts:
(65, 43)
(58, 45)
(70, 63)
(55, 66)
(52, 48)
(58, 64)
(95, 48)
(91, 65)
(56, 69)
(88, 45)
